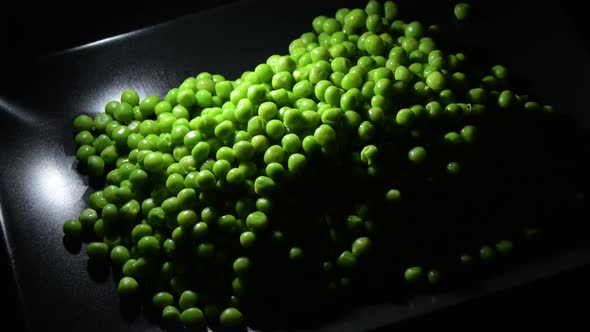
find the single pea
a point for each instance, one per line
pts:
(453, 168)
(434, 277)
(462, 11)
(413, 274)
(128, 286)
(414, 29)
(347, 260)
(72, 228)
(274, 153)
(148, 245)
(436, 81)
(200, 230)
(257, 221)
(162, 300)
(506, 99)
(95, 166)
(268, 110)
(120, 255)
(235, 176)
(366, 131)
(153, 162)
(256, 126)
(504, 247)
(84, 152)
(192, 317)
(248, 239)
(487, 254)
(188, 299)
(466, 259)
(242, 266)
(275, 129)
(500, 72)
(468, 133)
(374, 45)
(231, 317)
(275, 171)
(361, 246)
(417, 155)
(405, 117)
(83, 122)
(170, 313)
(325, 135)
(97, 251)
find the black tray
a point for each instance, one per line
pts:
(40, 185)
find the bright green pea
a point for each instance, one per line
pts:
(235, 176)
(462, 11)
(192, 317)
(468, 134)
(256, 126)
(275, 171)
(274, 153)
(347, 260)
(97, 251)
(188, 299)
(148, 245)
(162, 300)
(275, 129)
(248, 239)
(417, 155)
(83, 122)
(291, 143)
(506, 99)
(72, 228)
(257, 221)
(413, 274)
(120, 255)
(231, 317)
(128, 286)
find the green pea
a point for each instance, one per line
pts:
(366, 131)
(275, 171)
(170, 313)
(413, 274)
(242, 266)
(231, 317)
(275, 129)
(235, 176)
(120, 255)
(192, 317)
(361, 246)
(72, 228)
(188, 299)
(462, 11)
(162, 300)
(83, 122)
(468, 134)
(128, 286)
(256, 126)
(325, 135)
(417, 155)
(248, 239)
(453, 168)
(257, 221)
(268, 110)
(487, 254)
(506, 99)
(97, 251)
(347, 260)
(504, 247)
(153, 162)
(434, 277)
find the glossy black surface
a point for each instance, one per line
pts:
(40, 185)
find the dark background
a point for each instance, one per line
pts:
(29, 30)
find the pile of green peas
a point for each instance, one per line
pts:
(197, 182)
